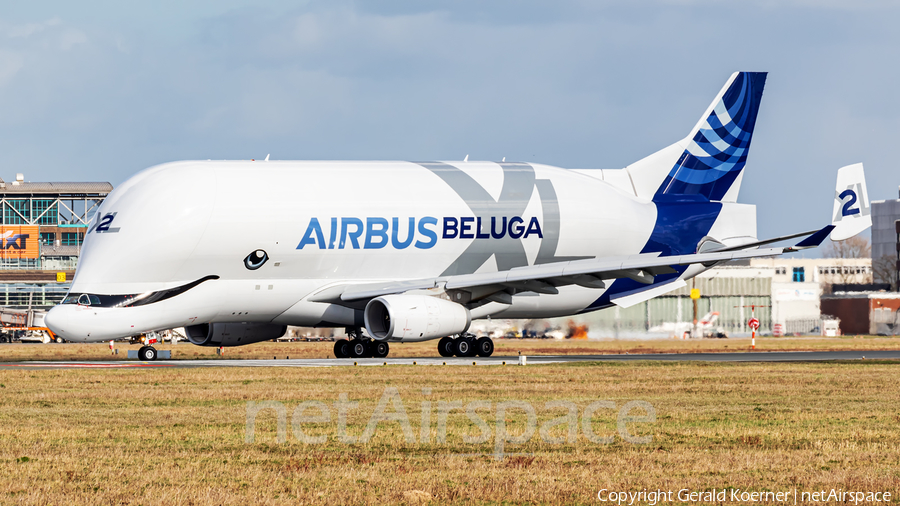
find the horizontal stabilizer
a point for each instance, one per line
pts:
(816, 239)
(748, 245)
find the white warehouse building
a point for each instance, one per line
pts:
(783, 290)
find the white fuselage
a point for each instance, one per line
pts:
(328, 223)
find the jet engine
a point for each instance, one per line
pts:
(233, 334)
(414, 318)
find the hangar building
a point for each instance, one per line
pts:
(885, 235)
(784, 290)
(875, 313)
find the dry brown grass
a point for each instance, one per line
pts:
(177, 436)
(504, 347)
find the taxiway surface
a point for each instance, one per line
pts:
(772, 356)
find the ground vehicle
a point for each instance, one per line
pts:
(26, 325)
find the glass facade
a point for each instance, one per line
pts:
(49, 211)
(32, 294)
(45, 211)
(16, 212)
(72, 238)
(48, 223)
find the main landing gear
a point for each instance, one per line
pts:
(466, 345)
(359, 346)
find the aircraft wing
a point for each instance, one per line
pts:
(851, 215)
(545, 278)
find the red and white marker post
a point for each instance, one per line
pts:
(753, 323)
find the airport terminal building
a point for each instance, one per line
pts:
(43, 227)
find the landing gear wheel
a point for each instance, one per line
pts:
(464, 347)
(359, 348)
(342, 348)
(484, 346)
(445, 347)
(147, 353)
(380, 349)
(58, 339)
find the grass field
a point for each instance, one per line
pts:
(179, 436)
(508, 347)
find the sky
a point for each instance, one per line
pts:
(98, 91)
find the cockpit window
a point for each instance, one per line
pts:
(131, 300)
(82, 299)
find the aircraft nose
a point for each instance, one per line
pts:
(55, 320)
(72, 322)
(87, 324)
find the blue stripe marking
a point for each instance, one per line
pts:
(718, 152)
(679, 227)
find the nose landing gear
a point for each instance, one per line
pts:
(147, 353)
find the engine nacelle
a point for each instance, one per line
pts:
(233, 334)
(414, 318)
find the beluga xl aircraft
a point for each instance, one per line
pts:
(411, 251)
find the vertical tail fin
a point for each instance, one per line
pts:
(852, 210)
(716, 149)
(708, 163)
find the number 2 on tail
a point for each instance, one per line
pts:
(846, 210)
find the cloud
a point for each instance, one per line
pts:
(103, 93)
(29, 29)
(71, 38)
(10, 65)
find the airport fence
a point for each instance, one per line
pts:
(803, 326)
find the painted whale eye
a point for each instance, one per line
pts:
(256, 259)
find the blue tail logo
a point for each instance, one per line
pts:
(718, 151)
